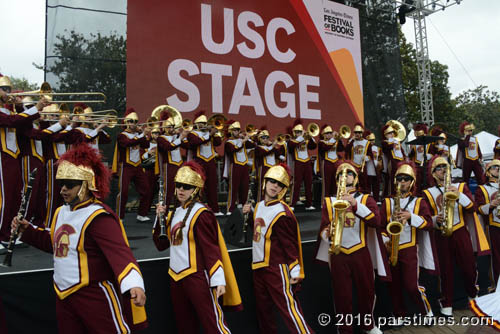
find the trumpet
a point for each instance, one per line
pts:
(187, 125)
(47, 92)
(281, 139)
(251, 130)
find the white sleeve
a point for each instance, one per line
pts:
(218, 278)
(132, 280)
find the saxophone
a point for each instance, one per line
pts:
(395, 227)
(337, 224)
(449, 200)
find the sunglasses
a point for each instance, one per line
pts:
(132, 121)
(184, 186)
(440, 167)
(273, 181)
(69, 184)
(403, 178)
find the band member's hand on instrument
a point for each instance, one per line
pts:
(138, 296)
(64, 121)
(220, 290)
(42, 103)
(160, 209)
(453, 189)
(440, 219)
(247, 208)
(350, 199)
(495, 202)
(101, 126)
(213, 130)
(23, 225)
(403, 216)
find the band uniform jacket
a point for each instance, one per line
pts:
(360, 230)
(418, 230)
(89, 245)
(464, 214)
(202, 249)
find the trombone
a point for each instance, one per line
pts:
(47, 92)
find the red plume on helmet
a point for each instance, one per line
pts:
(289, 172)
(196, 167)
(264, 127)
(366, 133)
(297, 122)
(383, 130)
(198, 114)
(289, 129)
(164, 115)
(84, 155)
(462, 127)
(129, 111)
(436, 131)
(421, 127)
(80, 105)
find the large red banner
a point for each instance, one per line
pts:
(260, 62)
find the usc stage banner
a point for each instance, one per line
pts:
(257, 61)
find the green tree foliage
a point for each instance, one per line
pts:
(479, 106)
(95, 63)
(23, 84)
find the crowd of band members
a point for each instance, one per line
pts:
(29, 142)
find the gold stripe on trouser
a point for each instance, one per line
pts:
(296, 316)
(26, 172)
(219, 314)
(115, 307)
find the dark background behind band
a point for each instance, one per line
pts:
(29, 298)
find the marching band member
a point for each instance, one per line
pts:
(267, 155)
(359, 151)
(420, 153)
(10, 171)
(94, 133)
(148, 158)
(393, 154)
(488, 201)
(440, 148)
(202, 141)
(169, 158)
(30, 139)
(200, 269)
(298, 147)
(235, 165)
(453, 213)
(92, 257)
(374, 167)
(127, 165)
(277, 256)
(328, 149)
(469, 156)
(359, 241)
(414, 215)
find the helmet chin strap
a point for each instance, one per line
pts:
(83, 192)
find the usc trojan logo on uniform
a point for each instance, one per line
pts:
(61, 240)
(359, 149)
(472, 146)
(350, 219)
(257, 228)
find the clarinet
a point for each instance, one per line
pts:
(246, 215)
(7, 262)
(161, 216)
